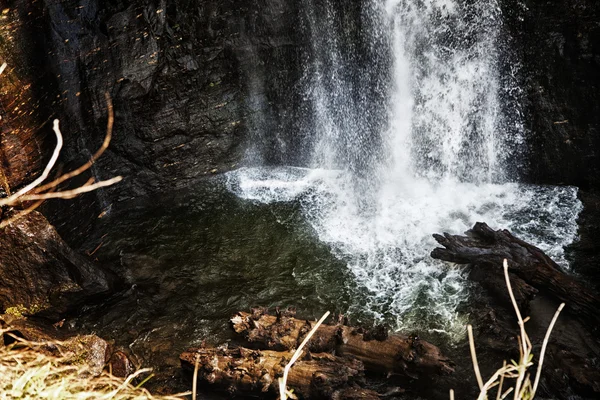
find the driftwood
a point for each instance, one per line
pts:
(394, 354)
(248, 371)
(485, 247)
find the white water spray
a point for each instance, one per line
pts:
(440, 166)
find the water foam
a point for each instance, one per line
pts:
(432, 156)
(387, 246)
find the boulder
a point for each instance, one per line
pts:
(41, 275)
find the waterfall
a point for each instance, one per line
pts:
(416, 129)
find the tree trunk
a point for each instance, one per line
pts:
(254, 371)
(408, 356)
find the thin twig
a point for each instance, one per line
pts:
(99, 152)
(195, 381)
(283, 381)
(59, 142)
(20, 214)
(40, 193)
(69, 194)
(474, 357)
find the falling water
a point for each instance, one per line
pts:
(415, 128)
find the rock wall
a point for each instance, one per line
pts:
(40, 275)
(188, 80)
(193, 82)
(558, 43)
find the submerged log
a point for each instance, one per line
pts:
(484, 247)
(254, 371)
(397, 354)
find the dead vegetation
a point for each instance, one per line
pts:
(30, 371)
(516, 371)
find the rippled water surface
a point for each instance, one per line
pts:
(192, 260)
(412, 127)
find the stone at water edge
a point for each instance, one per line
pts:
(41, 275)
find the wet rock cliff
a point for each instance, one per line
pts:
(558, 43)
(194, 81)
(189, 81)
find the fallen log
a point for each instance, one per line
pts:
(495, 283)
(240, 370)
(484, 247)
(393, 354)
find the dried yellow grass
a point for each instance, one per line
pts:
(28, 372)
(523, 388)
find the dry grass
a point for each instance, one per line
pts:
(28, 372)
(523, 388)
(284, 393)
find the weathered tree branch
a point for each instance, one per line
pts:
(34, 192)
(484, 247)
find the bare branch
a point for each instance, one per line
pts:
(20, 214)
(37, 193)
(69, 194)
(16, 197)
(86, 166)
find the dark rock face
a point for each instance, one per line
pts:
(195, 83)
(585, 252)
(188, 79)
(40, 275)
(558, 43)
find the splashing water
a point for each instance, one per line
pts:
(433, 158)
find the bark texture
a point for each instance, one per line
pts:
(539, 285)
(241, 370)
(486, 248)
(398, 354)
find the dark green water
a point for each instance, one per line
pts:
(191, 261)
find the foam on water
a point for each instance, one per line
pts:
(387, 247)
(434, 156)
